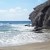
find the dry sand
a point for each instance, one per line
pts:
(33, 46)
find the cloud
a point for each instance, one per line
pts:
(17, 13)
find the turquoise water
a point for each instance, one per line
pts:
(16, 33)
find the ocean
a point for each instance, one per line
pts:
(16, 33)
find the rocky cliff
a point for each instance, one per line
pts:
(40, 17)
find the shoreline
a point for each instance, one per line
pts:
(31, 46)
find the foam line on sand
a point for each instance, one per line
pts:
(32, 46)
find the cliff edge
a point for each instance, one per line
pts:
(40, 17)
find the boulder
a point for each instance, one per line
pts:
(40, 17)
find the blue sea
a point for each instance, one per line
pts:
(16, 33)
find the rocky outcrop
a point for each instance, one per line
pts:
(40, 17)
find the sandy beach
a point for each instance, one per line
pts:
(32, 46)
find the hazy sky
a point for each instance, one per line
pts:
(11, 10)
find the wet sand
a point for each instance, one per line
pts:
(32, 46)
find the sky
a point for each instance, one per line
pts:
(17, 10)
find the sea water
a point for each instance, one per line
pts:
(16, 33)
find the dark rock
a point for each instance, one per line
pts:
(40, 17)
(28, 25)
(39, 31)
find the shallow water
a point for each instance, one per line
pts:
(18, 34)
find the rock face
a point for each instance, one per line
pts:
(40, 17)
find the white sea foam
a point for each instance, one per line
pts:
(20, 34)
(20, 39)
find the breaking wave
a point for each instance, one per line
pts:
(13, 34)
